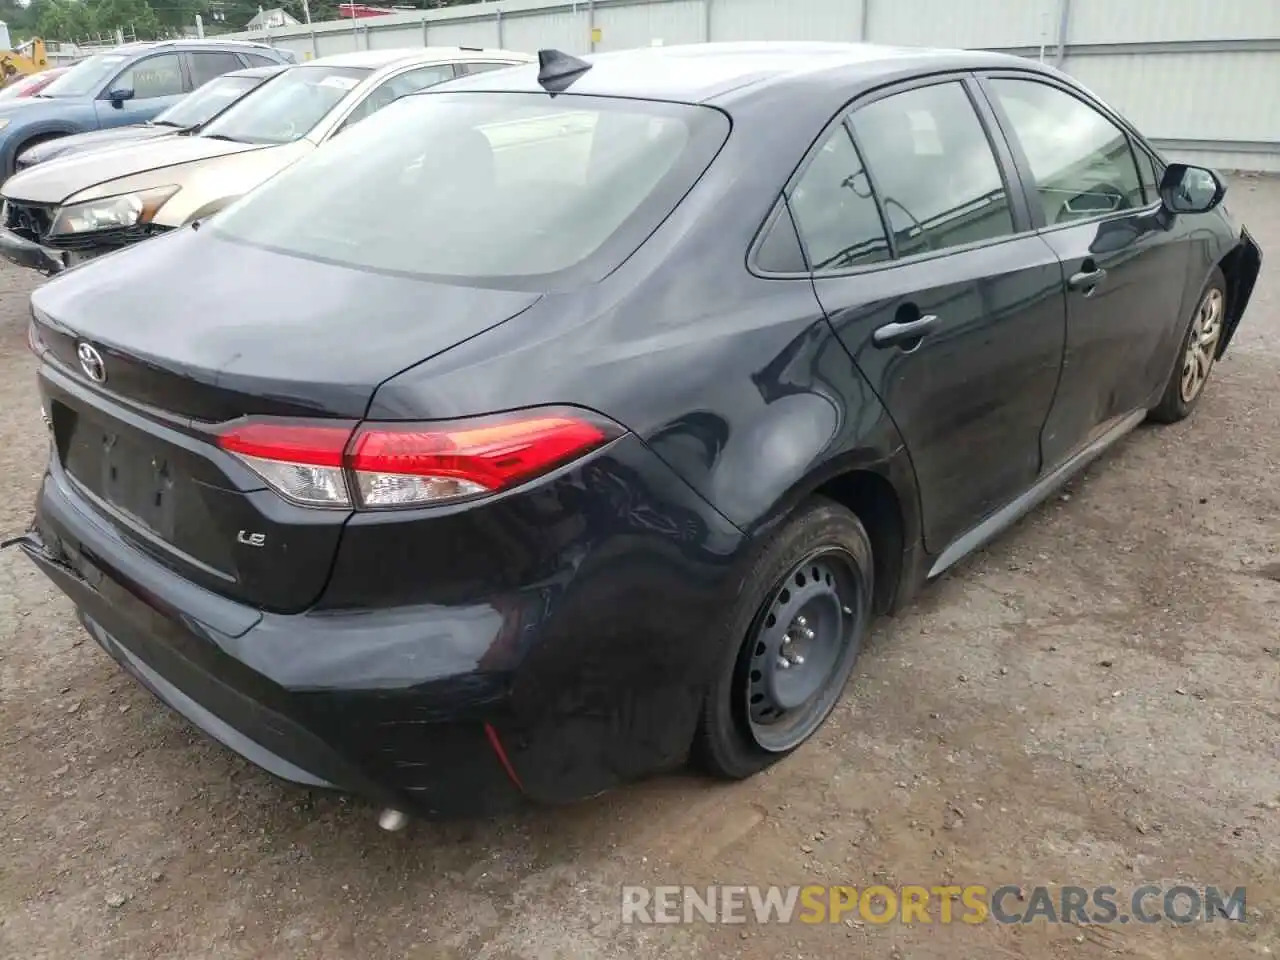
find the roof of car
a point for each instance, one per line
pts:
(380, 58)
(701, 72)
(194, 42)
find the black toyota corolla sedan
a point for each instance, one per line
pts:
(561, 423)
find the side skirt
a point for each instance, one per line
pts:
(1015, 509)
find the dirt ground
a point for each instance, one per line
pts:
(1095, 699)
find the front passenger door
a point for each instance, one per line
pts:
(955, 313)
(157, 83)
(1124, 269)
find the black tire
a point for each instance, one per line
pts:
(1175, 403)
(819, 561)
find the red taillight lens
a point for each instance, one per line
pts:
(412, 464)
(300, 459)
(397, 464)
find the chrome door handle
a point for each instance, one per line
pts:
(1087, 278)
(894, 333)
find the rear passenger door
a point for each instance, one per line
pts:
(1125, 269)
(924, 262)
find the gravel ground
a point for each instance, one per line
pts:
(1092, 700)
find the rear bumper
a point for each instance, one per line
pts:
(464, 711)
(24, 253)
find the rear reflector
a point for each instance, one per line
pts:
(379, 465)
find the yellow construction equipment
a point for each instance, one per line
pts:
(23, 60)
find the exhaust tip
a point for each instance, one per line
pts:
(393, 820)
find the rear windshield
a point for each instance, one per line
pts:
(211, 99)
(287, 106)
(501, 189)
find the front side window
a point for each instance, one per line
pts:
(497, 189)
(214, 97)
(834, 209)
(1081, 161)
(288, 107)
(158, 76)
(937, 178)
(391, 90)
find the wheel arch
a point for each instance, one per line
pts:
(29, 136)
(1240, 267)
(881, 491)
(871, 496)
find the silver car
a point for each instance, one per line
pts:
(75, 208)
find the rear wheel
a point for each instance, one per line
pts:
(1197, 354)
(792, 641)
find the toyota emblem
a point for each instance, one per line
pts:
(91, 363)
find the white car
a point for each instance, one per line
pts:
(78, 207)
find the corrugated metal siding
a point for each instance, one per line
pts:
(327, 44)
(963, 23)
(1225, 160)
(1186, 93)
(640, 25)
(1144, 21)
(563, 30)
(405, 36)
(773, 20)
(463, 34)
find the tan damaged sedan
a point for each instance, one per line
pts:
(72, 209)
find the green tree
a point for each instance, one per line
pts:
(130, 16)
(65, 20)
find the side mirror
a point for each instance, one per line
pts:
(1188, 189)
(119, 96)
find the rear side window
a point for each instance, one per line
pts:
(206, 66)
(502, 189)
(936, 175)
(1081, 161)
(834, 209)
(779, 251)
(476, 67)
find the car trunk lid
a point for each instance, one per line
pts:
(194, 331)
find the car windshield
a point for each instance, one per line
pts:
(495, 189)
(15, 89)
(87, 76)
(208, 101)
(288, 107)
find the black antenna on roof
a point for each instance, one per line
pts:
(556, 70)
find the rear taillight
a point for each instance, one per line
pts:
(300, 460)
(379, 465)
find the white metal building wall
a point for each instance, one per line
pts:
(1201, 77)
